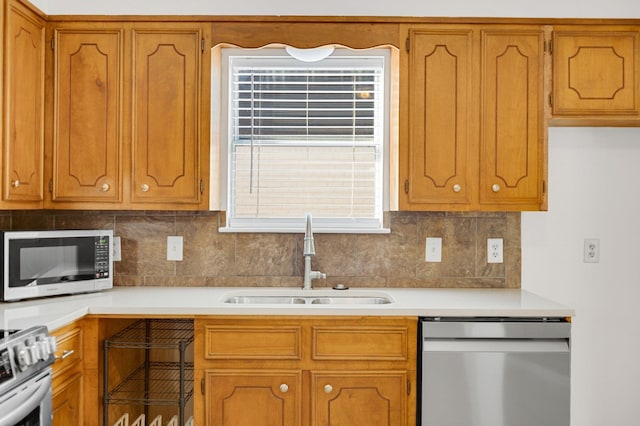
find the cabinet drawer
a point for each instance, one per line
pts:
(360, 343)
(252, 342)
(69, 352)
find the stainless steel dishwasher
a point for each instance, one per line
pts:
(494, 372)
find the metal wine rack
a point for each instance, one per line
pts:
(152, 383)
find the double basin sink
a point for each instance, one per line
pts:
(300, 298)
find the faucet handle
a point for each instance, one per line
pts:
(318, 275)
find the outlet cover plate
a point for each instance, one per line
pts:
(433, 250)
(495, 250)
(174, 248)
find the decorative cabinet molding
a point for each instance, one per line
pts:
(23, 107)
(596, 71)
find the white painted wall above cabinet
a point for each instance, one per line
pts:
(495, 8)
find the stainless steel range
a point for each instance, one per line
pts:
(25, 376)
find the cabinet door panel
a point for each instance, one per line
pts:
(166, 116)
(252, 397)
(87, 136)
(24, 106)
(67, 402)
(439, 107)
(512, 138)
(596, 73)
(359, 398)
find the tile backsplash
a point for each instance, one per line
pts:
(357, 260)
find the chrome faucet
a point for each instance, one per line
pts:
(309, 250)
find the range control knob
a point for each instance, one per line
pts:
(43, 346)
(23, 357)
(53, 344)
(34, 351)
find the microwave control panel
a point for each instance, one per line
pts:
(102, 257)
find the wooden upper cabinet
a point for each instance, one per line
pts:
(512, 142)
(127, 120)
(23, 133)
(166, 116)
(440, 105)
(596, 72)
(87, 143)
(475, 128)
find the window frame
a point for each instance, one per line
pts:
(320, 224)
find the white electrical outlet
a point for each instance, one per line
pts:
(433, 250)
(494, 250)
(174, 248)
(117, 253)
(591, 250)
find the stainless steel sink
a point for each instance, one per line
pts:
(252, 300)
(311, 300)
(357, 300)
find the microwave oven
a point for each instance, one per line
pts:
(50, 263)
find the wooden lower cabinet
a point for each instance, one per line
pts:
(67, 402)
(74, 386)
(68, 375)
(359, 398)
(318, 371)
(250, 397)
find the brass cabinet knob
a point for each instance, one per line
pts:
(284, 388)
(105, 187)
(457, 188)
(15, 183)
(495, 187)
(144, 187)
(328, 388)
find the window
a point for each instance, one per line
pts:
(306, 131)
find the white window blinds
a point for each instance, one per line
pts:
(306, 137)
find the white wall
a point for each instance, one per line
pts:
(594, 192)
(497, 8)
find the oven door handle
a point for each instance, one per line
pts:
(23, 399)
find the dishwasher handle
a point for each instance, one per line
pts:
(497, 345)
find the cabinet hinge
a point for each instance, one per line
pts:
(550, 47)
(202, 44)
(406, 186)
(202, 386)
(201, 186)
(544, 186)
(407, 44)
(551, 99)
(51, 185)
(408, 387)
(52, 44)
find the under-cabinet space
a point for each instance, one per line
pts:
(148, 370)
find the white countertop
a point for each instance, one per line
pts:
(180, 301)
